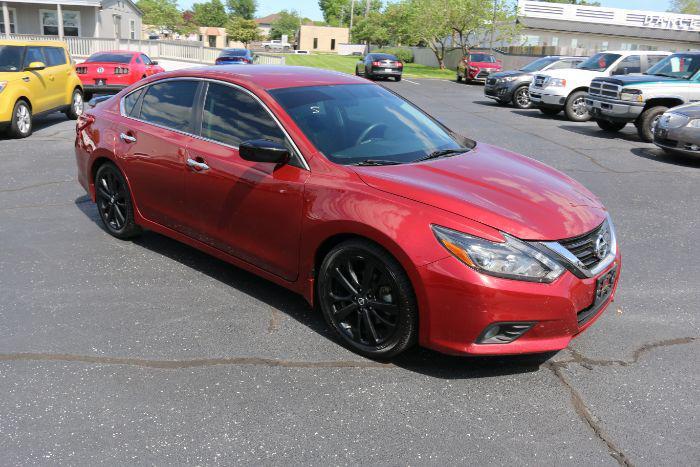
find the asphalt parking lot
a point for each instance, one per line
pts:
(150, 352)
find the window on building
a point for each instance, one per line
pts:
(332, 44)
(132, 29)
(55, 56)
(315, 42)
(555, 41)
(574, 43)
(604, 45)
(231, 116)
(13, 21)
(170, 104)
(212, 41)
(530, 40)
(49, 22)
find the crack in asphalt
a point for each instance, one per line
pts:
(589, 363)
(36, 185)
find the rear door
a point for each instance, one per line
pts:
(60, 70)
(250, 210)
(153, 136)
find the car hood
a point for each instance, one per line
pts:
(574, 77)
(485, 64)
(509, 73)
(501, 189)
(691, 110)
(639, 79)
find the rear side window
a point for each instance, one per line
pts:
(33, 54)
(55, 56)
(130, 102)
(170, 104)
(231, 116)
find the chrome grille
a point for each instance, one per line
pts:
(603, 89)
(584, 246)
(491, 81)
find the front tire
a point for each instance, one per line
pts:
(647, 122)
(575, 107)
(114, 202)
(22, 123)
(367, 299)
(521, 98)
(611, 127)
(76, 105)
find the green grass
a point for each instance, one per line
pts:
(346, 64)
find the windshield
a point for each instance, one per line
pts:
(599, 62)
(681, 66)
(351, 123)
(234, 53)
(109, 58)
(482, 58)
(538, 64)
(11, 57)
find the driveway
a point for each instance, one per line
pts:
(150, 352)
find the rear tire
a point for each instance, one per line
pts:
(575, 107)
(647, 122)
(611, 127)
(549, 111)
(76, 105)
(397, 78)
(367, 299)
(22, 123)
(114, 202)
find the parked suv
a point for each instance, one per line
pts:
(477, 67)
(512, 86)
(566, 90)
(36, 78)
(615, 101)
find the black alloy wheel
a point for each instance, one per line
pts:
(114, 202)
(367, 299)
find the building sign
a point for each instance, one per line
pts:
(672, 22)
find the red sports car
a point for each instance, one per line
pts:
(398, 229)
(105, 72)
(477, 67)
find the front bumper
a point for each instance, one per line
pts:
(500, 91)
(680, 140)
(541, 98)
(384, 72)
(605, 109)
(462, 303)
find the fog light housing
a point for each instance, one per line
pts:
(503, 333)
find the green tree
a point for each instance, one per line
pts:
(211, 14)
(371, 29)
(242, 30)
(288, 23)
(398, 21)
(430, 24)
(243, 8)
(477, 23)
(688, 7)
(337, 12)
(162, 14)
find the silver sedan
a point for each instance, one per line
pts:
(678, 130)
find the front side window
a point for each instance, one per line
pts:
(599, 62)
(231, 116)
(681, 66)
(55, 56)
(352, 123)
(11, 58)
(145, 59)
(631, 64)
(170, 104)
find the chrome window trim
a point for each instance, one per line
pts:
(571, 259)
(122, 112)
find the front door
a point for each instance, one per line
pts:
(39, 81)
(153, 137)
(247, 209)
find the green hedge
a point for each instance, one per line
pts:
(405, 55)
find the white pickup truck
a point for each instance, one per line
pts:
(566, 89)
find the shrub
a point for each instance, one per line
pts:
(405, 55)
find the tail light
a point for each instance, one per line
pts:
(399, 64)
(121, 70)
(376, 64)
(245, 60)
(81, 70)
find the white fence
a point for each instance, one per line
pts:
(186, 51)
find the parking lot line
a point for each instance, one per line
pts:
(412, 82)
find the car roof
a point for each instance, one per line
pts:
(123, 52)
(269, 76)
(37, 43)
(634, 52)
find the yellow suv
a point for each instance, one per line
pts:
(36, 78)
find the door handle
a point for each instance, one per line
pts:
(127, 138)
(51, 78)
(197, 165)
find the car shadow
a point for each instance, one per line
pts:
(658, 155)
(39, 123)
(418, 360)
(595, 132)
(534, 113)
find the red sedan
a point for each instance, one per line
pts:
(399, 230)
(109, 72)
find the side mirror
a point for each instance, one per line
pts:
(264, 150)
(35, 66)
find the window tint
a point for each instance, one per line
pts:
(654, 59)
(599, 61)
(109, 57)
(145, 59)
(231, 116)
(170, 104)
(10, 57)
(130, 102)
(33, 54)
(54, 56)
(631, 64)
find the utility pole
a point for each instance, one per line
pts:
(352, 12)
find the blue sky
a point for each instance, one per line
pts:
(309, 8)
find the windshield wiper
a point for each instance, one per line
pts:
(442, 153)
(376, 162)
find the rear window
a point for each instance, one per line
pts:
(384, 57)
(109, 58)
(234, 53)
(11, 57)
(170, 104)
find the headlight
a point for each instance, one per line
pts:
(2, 85)
(512, 259)
(695, 123)
(556, 82)
(506, 79)
(632, 95)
